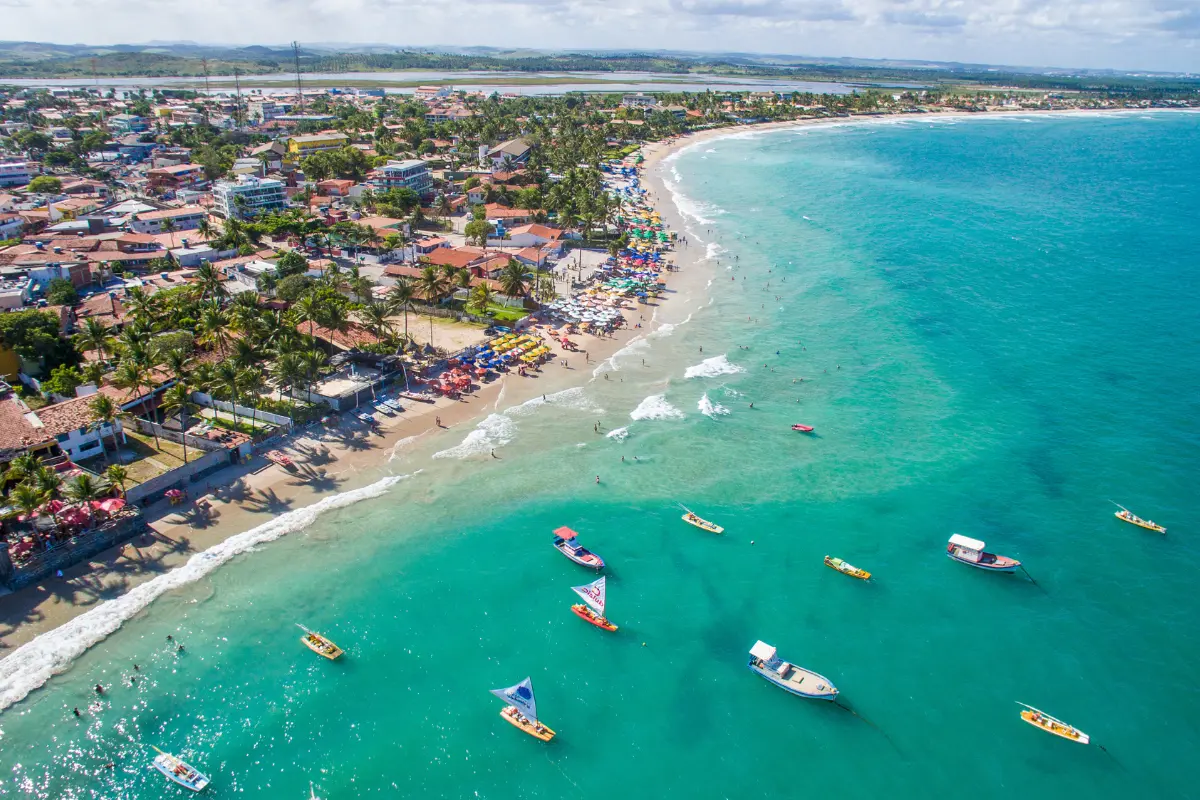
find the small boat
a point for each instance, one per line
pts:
(789, 677)
(384, 408)
(365, 417)
(179, 771)
(394, 404)
(700, 522)
(1050, 724)
(564, 541)
(319, 644)
(276, 457)
(593, 595)
(1133, 519)
(847, 569)
(970, 551)
(521, 711)
(802, 428)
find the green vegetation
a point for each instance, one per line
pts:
(45, 184)
(61, 292)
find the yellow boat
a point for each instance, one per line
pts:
(1049, 724)
(535, 729)
(319, 644)
(702, 524)
(521, 711)
(1125, 515)
(847, 569)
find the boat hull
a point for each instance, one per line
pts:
(703, 524)
(587, 615)
(197, 783)
(772, 678)
(847, 569)
(1000, 564)
(543, 734)
(1069, 733)
(332, 655)
(1141, 523)
(591, 561)
(802, 428)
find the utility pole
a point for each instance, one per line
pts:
(237, 109)
(299, 88)
(95, 78)
(207, 93)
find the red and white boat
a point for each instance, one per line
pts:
(802, 428)
(564, 541)
(594, 595)
(970, 552)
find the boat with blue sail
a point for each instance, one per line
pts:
(787, 676)
(521, 711)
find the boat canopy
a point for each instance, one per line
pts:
(762, 651)
(565, 532)
(966, 541)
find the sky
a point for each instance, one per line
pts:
(1118, 34)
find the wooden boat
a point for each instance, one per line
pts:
(847, 569)
(802, 428)
(521, 711)
(276, 457)
(179, 771)
(365, 417)
(564, 542)
(319, 644)
(789, 677)
(593, 595)
(700, 522)
(1126, 515)
(1050, 724)
(384, 409)
(394, 404)
(970, 551)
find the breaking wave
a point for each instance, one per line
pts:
(618, 434)
(710, 409)
(712, 367)
(496, 430)
(31, 665)
(655, 407)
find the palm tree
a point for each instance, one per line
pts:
(287, 371)
(481, 299)
(443, 206)
(117, 474)
(251, 384)
(214, 326)
(245, 353)
(168, 226)
(375, 318)
(432, 286)
(47, 483)
(310, 309)
(179, 399)
(25, 499)
(83, 489)
(313, 361)
(206, 230)
(227, 375)
(23, 466)
(94, 336)
(512, 279)
(106, 413)
(210, 281)
(134, 377)
(400, 299)
(177, 362)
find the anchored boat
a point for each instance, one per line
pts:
(521, 711)
(1053, 725)
(319, 644)
(593, 595)
(700, 522)
(1125, 515)
(802, 428)
(789, 677)
(970, 551)
(564, 541)
(179, 771)
(847, 569)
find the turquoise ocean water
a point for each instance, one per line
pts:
(998, 327)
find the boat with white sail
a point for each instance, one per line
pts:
(789, 677)
(179, 771)
(521, 711)
(592, 608)
(971, 552)
(1040, 719)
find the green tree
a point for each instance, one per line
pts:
(478, 231)
(134, 376)
(117, 474)
(400, 299)
(61, 292)
(34, 335)
(512, 279)
(432, 285)
(480, 300)
(94, 335)
(291, 263)
(293, 287)
(63, 381)
(105, 412)
(227, 376)
(178, 400)
(85, 488)
(45, 184)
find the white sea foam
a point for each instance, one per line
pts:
(710, 409)
(711, 150)
(496, 430)
(712, 367)
(712, 250)
(574, 398)
(32, 664)
(729, 392)
(618, 434)
(655, 407)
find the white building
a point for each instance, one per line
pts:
(15, 293)
(411, 174)
(14, 173)
(261, 195)
(185, 219)
(71, 425)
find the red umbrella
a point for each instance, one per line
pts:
(109, 506)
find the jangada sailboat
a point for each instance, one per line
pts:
(521, 711)
(1053, 725)
(319, 644)
(1125, 515)
(593, 595)
(179, 771)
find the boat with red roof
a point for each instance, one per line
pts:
(564, 542)
(970, 552)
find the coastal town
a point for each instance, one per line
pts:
(187, 280)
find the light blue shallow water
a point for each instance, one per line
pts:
(997, 326)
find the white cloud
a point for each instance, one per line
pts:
(1130, 34)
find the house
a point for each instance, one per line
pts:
(299, 147)
(498, 213)
(15, 292)
(180, 176)
(14, 173)
(127, 123)
(132, 149)
(514, 151)
(535, 235)
(71, 425)
(410, 174)
(185, 218)
(334, 187)
(265, 110)
(258, 195)
(639, 100)
(271, 154)
(10, 225)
